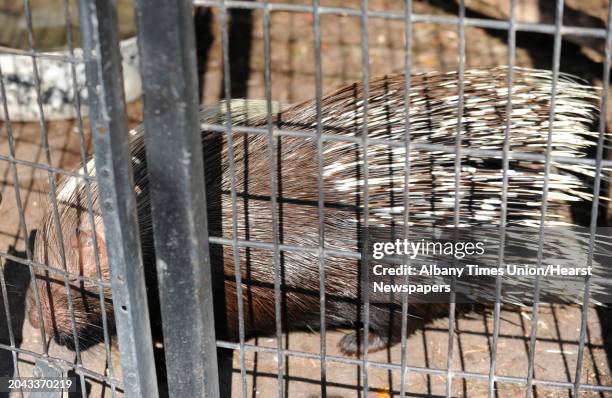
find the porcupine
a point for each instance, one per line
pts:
(433, 120)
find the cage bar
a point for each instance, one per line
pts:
(483, 153)
(596, 201)
(419, 369)
(178, 198)
(504, 199)
(177, 188)
(408, 33)
(316, 23)
(274, 208)
(365, 140)
(458, 195)
(89, 198)
(227, 129)
(416, 17)
(544, 206)
(44, 138)
(116, 189)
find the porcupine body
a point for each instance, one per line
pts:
(431, 200)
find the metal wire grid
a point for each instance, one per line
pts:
(82, 372)
(551, 118)
(504, 201)
(415, 18)
(512, 26)
(596, 198)
(406, 193)
(116, 193)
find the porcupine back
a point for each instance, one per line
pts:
(433, 120)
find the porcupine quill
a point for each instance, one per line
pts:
(431, 201)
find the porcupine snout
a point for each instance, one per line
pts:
(67, 288)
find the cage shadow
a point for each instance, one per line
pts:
(17, 279)
(202, 20)
(605, 320)
(239, 52)
(573, 60)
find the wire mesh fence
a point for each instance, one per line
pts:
(283, 53)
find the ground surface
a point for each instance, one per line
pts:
(293, 79)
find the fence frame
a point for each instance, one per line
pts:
(176, 182)
(176, 167)
(117, 198)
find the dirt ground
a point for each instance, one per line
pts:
(435, 47)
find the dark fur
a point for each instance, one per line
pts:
(295, 167)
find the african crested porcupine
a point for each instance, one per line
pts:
(433, 120)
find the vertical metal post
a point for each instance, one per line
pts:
(504, 199)
(601, 142)
(556, 63)
(457, 213)
(365, 142)
(408, 34)
(178, 200)
(117, 200)
(316, 22)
